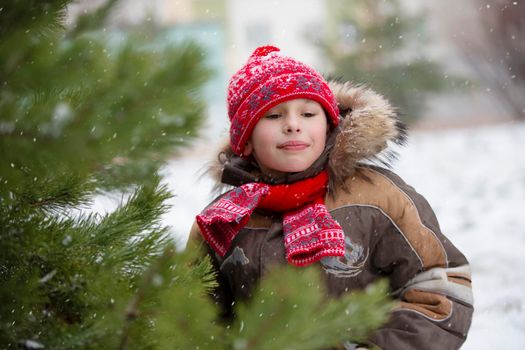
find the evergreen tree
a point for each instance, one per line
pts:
(378, 44)
(82, 114)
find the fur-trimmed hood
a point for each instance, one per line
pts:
(368, 123)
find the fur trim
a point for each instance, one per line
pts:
(216, 167)
(368, 124)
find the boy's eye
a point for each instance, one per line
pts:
(308, 115)
(272, 116)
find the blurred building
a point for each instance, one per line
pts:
(291, 24)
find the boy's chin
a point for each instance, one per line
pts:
(288, 168)
(295, 169)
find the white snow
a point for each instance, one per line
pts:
(475, 181)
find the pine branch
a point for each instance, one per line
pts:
(42, 15)
(170, 276)
(134, 306)
(93, 20)
(297, 315)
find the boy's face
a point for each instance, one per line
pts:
(289, 137)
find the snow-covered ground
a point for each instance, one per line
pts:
(475, 181)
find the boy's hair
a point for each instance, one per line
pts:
(266, 80)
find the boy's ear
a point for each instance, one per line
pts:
(248, 149)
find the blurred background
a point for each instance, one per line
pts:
(454, 69)
(444, 65)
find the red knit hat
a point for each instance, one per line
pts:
(266, 80)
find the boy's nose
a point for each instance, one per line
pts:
(291, 124)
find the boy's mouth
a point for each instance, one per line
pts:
(293, 145)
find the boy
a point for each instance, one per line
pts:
(303, 195)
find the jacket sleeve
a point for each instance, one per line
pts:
(428, 275)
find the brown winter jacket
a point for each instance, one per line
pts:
(390, 231)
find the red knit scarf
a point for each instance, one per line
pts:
(310, 232)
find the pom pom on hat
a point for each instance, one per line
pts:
(266, 80)
(264, 50)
